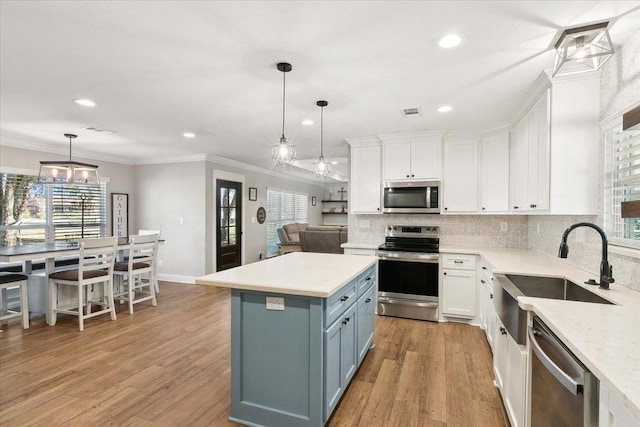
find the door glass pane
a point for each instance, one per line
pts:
(232, 236)
(224, 236)
(224, 196)
(232, 216)
(232, 197)
(223, 217)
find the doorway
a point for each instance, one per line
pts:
(229, 224)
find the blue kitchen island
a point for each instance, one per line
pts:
(301, 325)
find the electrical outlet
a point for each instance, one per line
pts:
(275, 303)
(503, 227)
(364, 223)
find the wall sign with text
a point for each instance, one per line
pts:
(120, 214)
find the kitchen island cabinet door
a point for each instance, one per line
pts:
(339, 358)
(366, 322)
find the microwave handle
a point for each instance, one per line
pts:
(428, 197)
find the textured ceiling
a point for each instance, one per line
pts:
(158, 69)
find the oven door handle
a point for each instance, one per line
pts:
(569, 383)
(411, 303)
(429, 260)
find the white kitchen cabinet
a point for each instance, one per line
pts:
(460, 181)
(510, 369)
(458, 285)
(487, 311)
(554, 148)
(365, 182)
(530, 158)
(611, 413)
(494, 173)
(412, 158)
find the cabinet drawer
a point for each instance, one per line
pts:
(338, 302)
(366, 279)
(459, 262)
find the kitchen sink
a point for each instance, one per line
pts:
(508, 287)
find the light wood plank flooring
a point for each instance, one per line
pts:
(169, 366)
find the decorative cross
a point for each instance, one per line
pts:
(342, 191)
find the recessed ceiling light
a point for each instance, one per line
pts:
(189, 135)
(445, 109)
(449, 41)
(85, 102)
(334, 162)
(307, 122)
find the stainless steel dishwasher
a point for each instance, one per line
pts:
(564, 393)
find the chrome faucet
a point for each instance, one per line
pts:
(606, 271)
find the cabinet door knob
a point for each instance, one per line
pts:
(490, 296)
(344, 298)
(446, 209)
(483, 208)
(445, 273)
(482, 281)
(484, 268)
(503, 331)
(407, 176)
(368, 300)
(412, 175)
(515, 207)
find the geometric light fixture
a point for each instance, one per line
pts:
(283, 153)
(582, 49)
(68, 172)
(321, 167)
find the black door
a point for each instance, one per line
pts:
(229, 227)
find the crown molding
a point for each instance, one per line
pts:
(59, 149)
(535, 91)
(478, 133)
(412, 136)
(364, 141)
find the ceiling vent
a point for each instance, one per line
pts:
(100, 130)
(412, 112)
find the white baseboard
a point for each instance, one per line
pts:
(177, 278)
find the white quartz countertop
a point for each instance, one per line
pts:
(606, 338)
(296, 273)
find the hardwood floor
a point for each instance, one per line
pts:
(169, 366)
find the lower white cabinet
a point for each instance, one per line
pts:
(611, 413)
(487, 311)
(510, 368)
(459, 285)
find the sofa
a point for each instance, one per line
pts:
(323, 239)
(289, 236)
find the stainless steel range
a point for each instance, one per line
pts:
(408, 272)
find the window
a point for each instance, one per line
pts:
(33, 213)
(283, 208)
(621, 184)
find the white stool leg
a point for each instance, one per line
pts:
(5, 305)
(80, 307)
(109, 296)
(24, 305)
(152, 289)
(132, 283)
(53, 302)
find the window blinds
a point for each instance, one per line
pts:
(622, 184)
(283, 207)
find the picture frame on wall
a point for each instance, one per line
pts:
(120, 215)
(253, 194)
(313, 200)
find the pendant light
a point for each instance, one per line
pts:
(283, 153)
(321, 167)
(68, 172)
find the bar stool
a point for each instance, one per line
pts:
(141, 262)
(96, 262)
(10, 280)
(155, 265)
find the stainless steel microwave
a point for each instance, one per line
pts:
(412, 197)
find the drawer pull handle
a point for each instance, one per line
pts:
(345, 321)
(503, 331)
(491, 296)
(368, 300)
(484, 268)
(367, 279)
(459, 262)
(482, 281)
(344, 298)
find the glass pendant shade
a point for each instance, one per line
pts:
(321, 168)
(283, 153)
(582, 49)
(68, 172)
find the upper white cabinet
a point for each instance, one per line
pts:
(364, 179)
(460, 182)
(530, 158)
(415, 157)
(494, 173)
(554, 148)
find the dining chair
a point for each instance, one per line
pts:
(141, 261)
(95, 266)
(155, 265)
(10, 280)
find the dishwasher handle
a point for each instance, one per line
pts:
(569, 383)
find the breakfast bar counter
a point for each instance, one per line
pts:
(301, 324)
